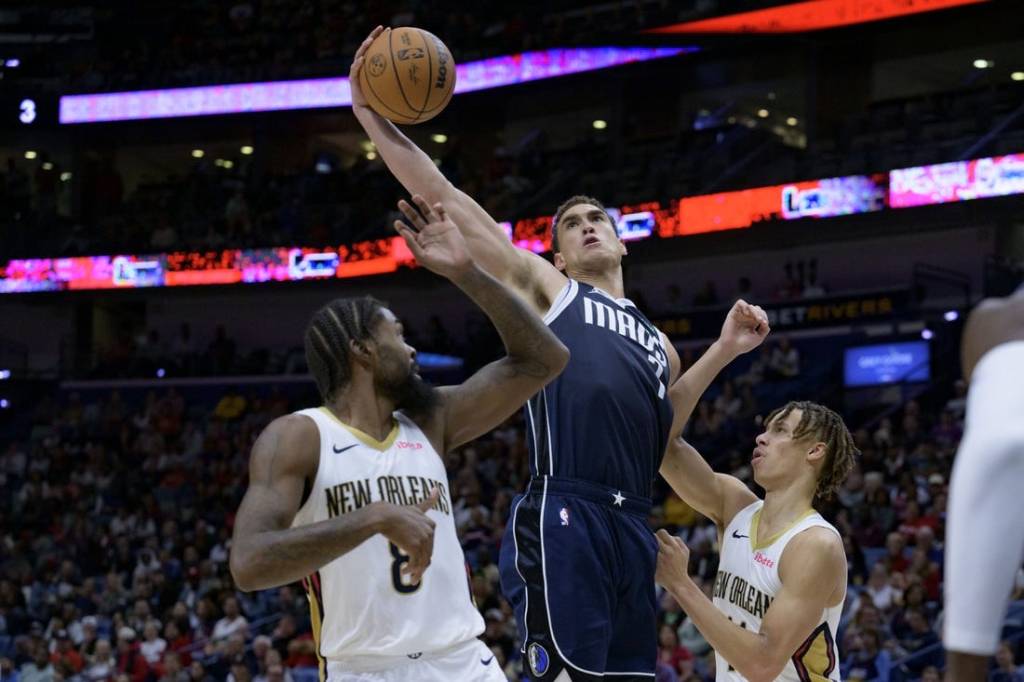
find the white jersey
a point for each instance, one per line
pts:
(747, 583)
(362, 608)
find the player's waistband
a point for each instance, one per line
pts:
(593, 492)
(371, 664)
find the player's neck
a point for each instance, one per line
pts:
(361, 407)
(783, 507)
(609, 281)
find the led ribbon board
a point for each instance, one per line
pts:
(811, 16)
(958, 181)
(315, 93)
(825, 198)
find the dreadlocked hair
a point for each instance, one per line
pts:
(328, 336)
(821, 424)
(575, 200)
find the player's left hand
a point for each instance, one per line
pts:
(673, 560)
(745, 327)
(434, 239)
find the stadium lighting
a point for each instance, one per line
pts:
(5, 374)
(229, 164)
(983, 64)
(791, 121)
(13, 63)
(600, 124)
(219, 163)
(161, 373)
(65, 176)
(763, 113)
(47, 165)
(246, 150)
(437, 162)
(951, 316)
(439, 138)
(30, 155)
(370, 156)
(198, 153)
(4, 404)
(1017, 75)
(927, 334)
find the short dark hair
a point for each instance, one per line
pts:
(327, 340)
(574, 200)
(825, 425)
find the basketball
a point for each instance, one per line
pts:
(408, 75)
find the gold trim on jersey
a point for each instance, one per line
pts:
(755, 521)
(814, 660)
(311, 585)
(364, 437)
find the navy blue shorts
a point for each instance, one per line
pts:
(577, 564)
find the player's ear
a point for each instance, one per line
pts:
(559, 261)
(362, 351)
(816, 452)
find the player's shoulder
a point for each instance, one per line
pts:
(816, 545)
(293, 439)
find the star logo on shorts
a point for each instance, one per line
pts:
(618, 498)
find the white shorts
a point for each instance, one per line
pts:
(470, 661)
(984, 531)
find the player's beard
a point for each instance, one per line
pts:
(410, 393)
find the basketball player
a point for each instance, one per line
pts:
(985, 536)
(578, 559)
(351, 497)
(781, 577)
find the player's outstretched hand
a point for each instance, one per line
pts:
(358, 98)
(745, 327)
(434, 239)
(673, 560)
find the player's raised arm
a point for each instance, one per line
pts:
(527, 273)
(534, 355)
(266, 552)
(813, 575)
(716, 496)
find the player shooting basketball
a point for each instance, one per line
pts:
(782, 570)
(351, 497)
(596, 435)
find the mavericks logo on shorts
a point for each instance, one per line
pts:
(538, 659)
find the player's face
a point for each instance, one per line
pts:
(397, 374)
(587, 241)
(778, 457)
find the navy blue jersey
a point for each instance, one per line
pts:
(606, 418)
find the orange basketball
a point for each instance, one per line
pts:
(408, 75)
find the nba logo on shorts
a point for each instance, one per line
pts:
(564, 515)
(538, 658)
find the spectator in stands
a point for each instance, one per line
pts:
(920, 638)
(670, 651)
(784, 362)
(40, 668)
(103, 664)
(865, 659)
(706, 295)
(1006, 669)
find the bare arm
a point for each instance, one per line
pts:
(529, 274)
(266, 552)
(534, 355)
(813, 574)
(717, 496)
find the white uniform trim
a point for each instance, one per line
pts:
(562, 301)
(526, 590)
(547, 602)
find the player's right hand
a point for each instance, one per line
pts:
(358, 98)
(413, 531)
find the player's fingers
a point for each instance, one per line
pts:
(663, 538)
(425, 208)
(429, 501)
(410, 238)
(439, 209)
(411, 214)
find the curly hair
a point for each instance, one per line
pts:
(823, 425)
